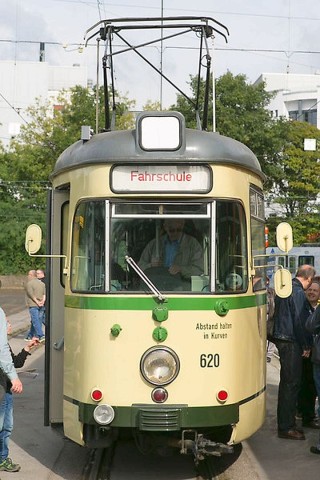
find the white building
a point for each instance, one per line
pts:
(297, 96)
(22, 82)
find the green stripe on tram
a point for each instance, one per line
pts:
(118, 302)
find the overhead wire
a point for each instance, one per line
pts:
(185, 11)
(13, 108)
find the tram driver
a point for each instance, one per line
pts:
(171, 259)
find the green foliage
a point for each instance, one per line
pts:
(81, 110)
(152, 106)
(14, 220)
(304, 228)
(296, 183)
(296, 175)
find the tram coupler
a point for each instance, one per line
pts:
(200, 447)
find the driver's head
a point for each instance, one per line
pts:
(173, 228)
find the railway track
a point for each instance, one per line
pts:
(123, 461)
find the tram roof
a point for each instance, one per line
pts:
(119, 147)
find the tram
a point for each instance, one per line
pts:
(169, 346)
(307, 253)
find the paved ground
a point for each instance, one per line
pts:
(12, 300)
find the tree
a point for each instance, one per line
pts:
(297, 173)
(305, 228)
(187, 109)
(296, 184)
(81, 110)
(152, 106)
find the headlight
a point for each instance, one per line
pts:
(159, 365)
(103, 414)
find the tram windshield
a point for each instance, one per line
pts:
(195, 247)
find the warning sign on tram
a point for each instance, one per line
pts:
(161, 178)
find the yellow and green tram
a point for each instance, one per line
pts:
(180, 360)
(175, 356)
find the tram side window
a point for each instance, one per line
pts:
(293, 264)
(231, 248)
(306, 260)
(257, 238)
(88, 247)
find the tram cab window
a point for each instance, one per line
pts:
(195, 247)
(168, 242)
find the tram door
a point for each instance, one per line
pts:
(57, 244)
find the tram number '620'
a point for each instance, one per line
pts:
(209, 360)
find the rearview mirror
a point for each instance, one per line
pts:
(284, 237)
(283, 283)
(33, 239)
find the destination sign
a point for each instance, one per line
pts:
(161, 178)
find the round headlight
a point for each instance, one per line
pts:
(103, 414)
(159, 365)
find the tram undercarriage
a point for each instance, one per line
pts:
(188, 442)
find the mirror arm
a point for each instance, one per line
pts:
(65, 268)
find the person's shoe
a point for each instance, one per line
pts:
(315, 450)
(312, 424)
(42, 339)
(299, 429)
(27, 339)
(8, 466)
(291, 435)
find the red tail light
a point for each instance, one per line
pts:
(96, 395)
(222, 396)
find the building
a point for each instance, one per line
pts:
(21, 83)
(297, 96)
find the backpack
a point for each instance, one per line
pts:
(270, 312)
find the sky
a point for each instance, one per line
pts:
(266, 36)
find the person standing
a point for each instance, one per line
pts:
(42, 313)
(11, 382)
(35, 297)
(293, 344)
(308, 393)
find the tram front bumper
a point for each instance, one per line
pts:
(155, 418)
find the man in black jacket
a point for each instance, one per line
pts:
(293, 344)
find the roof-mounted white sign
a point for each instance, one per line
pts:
(161, 178)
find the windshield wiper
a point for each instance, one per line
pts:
(145, 278)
